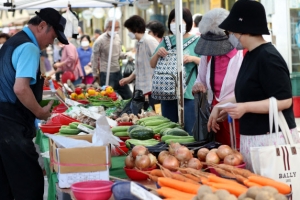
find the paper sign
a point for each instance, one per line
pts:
(71, 102)
(89, 113)
(227, 105)
(141, 193)
(85, 129)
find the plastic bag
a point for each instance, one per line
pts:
(202, 110)
(128, 69)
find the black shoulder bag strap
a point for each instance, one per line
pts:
(212, 74)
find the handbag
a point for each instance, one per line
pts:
(128, 69)
(202, 110)
(279, 162)
(68, 74)
(164, 79)
(87, 70)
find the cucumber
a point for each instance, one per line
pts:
(132, 127)
(163, 130)
(150, 142)
(141, 133)
(73, 126)
(69, 131)
(167, 137)
(181, 141)
(121, 134)
(150, 118)
(155, 122)
(119, 129)
(168, 125)
(88, 126)
(176, 131)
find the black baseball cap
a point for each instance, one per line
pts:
(58, 22)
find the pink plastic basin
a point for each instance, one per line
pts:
(92, 185)
(92, 195)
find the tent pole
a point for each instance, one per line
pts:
(179, 48)
(111, 47)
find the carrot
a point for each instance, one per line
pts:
(250, 184)
(264, 181)
(233, 189)
(172, 193)
(153, 178)
(243, 172)
(183, 178)
(156, 172)
(192, 177)
(178, 185)
(190, 171)
(240, 178)
(224, 173)
(218, 179)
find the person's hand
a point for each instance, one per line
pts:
(124, 81)
(237, 112)
(198, 87)
(57, 65)
(222, 116)
(45, 114)
(46, 82)
(187, 59)
(212, 121)
(162, 52)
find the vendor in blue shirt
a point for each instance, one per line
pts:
(85, 53)
(21, 89)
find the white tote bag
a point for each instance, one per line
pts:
(279, 162)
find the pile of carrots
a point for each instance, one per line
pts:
(186, 183)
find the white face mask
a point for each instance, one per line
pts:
(173, 28)
(1, 46)
(85, 43)
(112, 35)
(131, 35)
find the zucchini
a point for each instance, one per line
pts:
(165, 131)
(73, 126)
(176, 131)
(119, 129)
(167, 125)
(150, 118)
(88, 126)
(181, 141)
(150, 142)
(132, 127)
(167, 137)
(69, 131)
(141, 133)
(155, 122)
(121, 134)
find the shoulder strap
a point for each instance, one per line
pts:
(190, 75)
(190, 41)
(168, 42)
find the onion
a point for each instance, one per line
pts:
(239, 155)
(201, 154)
(129, 162)
(162, 155)
(138, 150)
(183, 154)
(142, 162)
(233, 160)
(153, 160)
(173, 147)
(214, 150)
(171, 163)
(223, 151)
(194, 163)
(212, 158)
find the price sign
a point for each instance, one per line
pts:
(71, 102)
(89, 113)
(85, 129)
(141, 193)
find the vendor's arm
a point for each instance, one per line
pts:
(25, 95)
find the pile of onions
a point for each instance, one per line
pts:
(171, 163)
(234, 159)
(194, 163)
(140, 158)
(173, 147)
(183, 154)
(162, 155)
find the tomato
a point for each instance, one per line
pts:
(78, 90)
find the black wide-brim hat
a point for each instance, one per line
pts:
(58, 22)
(210, 44)
(248, 17)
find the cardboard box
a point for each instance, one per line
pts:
(79, 164)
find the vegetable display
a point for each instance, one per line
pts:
(140, 158)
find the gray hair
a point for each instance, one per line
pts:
(211, 20)
(108, 20)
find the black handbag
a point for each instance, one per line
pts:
(202, 110)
